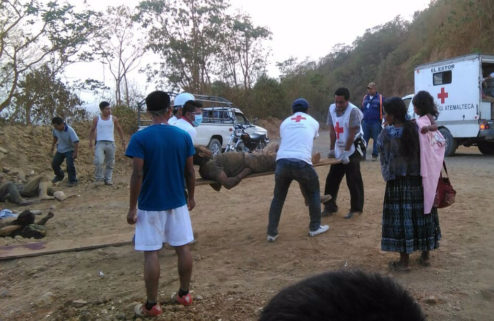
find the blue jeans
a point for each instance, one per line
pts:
(372, 129)
(58, 160)
(288, 170)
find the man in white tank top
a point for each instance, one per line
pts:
(344, 121)
(104, 153)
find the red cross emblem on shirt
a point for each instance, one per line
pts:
(339, 130)
(442, 95)
(298, 118)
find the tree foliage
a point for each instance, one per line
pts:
(42, 96)
(388, 54)
(199, 43)
(119, 43)
(32, 33)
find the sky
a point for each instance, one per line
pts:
(307, 29)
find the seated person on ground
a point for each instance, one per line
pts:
(38, 186)
(343, 295)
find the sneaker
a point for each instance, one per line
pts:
(374, 157)
(108, 183)
(183, 300)
(72, 184)
(141, 311)
(320, 230)
(272, 238)
(57, 179)
(326, 198)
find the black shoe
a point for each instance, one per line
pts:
(329, 210)
(57, 179)
(351, 213)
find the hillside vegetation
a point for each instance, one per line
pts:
(386, 54)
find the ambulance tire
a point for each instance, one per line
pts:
(486, 148)
(451, 143)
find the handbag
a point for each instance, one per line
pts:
(445, 193)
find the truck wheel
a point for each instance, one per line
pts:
(450, 142)
(486, 148)
(215, 146)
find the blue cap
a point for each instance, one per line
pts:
(300, 104)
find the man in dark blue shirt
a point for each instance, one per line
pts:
(372, 108)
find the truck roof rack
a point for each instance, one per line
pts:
(213, 99)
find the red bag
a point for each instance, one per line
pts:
(445, 193)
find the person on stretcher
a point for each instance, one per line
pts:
(228, 169)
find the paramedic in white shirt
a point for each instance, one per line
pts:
(102, 131)
(293, 162)
(191, 118)
(178, 104)
(344, 121)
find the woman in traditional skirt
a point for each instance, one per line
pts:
(405, 227)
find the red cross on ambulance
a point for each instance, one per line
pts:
(442, 95)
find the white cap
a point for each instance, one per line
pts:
(182, 98)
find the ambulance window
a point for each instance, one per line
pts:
(441, 78)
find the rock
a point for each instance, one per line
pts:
(46, 299)
(3, 150)
(59, 195)
(432, 300)
(4, 293)
(79, 303)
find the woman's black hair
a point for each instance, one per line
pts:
(409, 143)
(424, 103)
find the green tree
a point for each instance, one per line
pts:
(242, 52)
(32, 33)
(184, 33)
(41, 96)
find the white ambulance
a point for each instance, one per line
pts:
(460, 87)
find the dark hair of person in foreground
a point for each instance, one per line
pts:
(343, 296)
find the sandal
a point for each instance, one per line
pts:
(397, 266)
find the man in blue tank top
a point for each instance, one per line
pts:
(162, 157)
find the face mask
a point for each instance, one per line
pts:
(197, 121)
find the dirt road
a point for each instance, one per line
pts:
(235, 270)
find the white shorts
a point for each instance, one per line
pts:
(153, 228)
